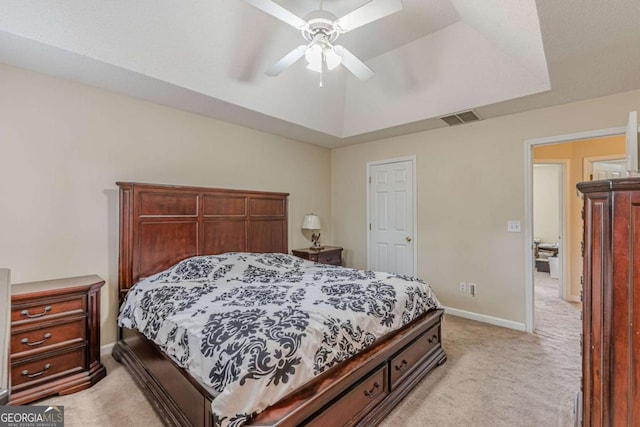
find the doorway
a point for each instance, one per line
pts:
(391, 216)
(550, 181)
(572, 149)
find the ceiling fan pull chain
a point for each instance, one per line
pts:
(323, 66)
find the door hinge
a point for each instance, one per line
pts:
(369, 180)
(369, 226)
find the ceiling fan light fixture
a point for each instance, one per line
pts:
(321, 29)
(314, 56)
(332, 58)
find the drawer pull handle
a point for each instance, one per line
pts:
(26, 373)
(26, 312)
(374, 391)
(25, 341)
(433, 338)
(401, 367)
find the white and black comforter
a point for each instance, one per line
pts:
(253, 327)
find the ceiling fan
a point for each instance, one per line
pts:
(321, 29)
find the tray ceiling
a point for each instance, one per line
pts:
(434, 58)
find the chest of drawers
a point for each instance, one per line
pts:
(55, 337)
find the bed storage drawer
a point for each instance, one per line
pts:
(356, 402)
(404, 361)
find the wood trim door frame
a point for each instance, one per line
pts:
(528, 204)
(414, 202)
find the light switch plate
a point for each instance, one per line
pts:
(513, 226)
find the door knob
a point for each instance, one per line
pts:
(408, 239)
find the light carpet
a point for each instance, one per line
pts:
(501, 377)
(493, 377)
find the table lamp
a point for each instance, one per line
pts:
(312, 222)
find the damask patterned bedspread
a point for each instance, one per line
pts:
(254, 327)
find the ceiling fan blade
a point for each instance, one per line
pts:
(277, 11)
(370, 12)
(287, 61)
(353, 64)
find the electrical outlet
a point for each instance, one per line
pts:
(463, 287)
(472, 289)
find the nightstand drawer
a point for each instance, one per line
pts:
(42, 310)
(45, 368)
(331, 255)
(29, 341)
(333, 258)
(414, 353)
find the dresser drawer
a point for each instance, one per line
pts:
(44, 309)
(413, 354)
(357, 402)
(47, 368)
(28, 341)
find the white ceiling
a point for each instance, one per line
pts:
(433, 58)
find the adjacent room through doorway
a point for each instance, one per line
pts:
(548, 225)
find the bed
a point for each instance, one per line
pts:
(160, 226)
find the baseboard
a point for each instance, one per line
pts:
(485, 319)
(105, 350)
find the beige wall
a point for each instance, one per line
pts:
(64, 145)
(574, 153)
(470, 182)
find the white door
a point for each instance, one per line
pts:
(632, 142)
(604, 167)
(391, 214)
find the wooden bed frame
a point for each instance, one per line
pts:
(161, 225)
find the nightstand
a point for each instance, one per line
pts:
(55, 337)
(327, 255)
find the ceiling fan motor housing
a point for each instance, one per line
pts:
(320, 22)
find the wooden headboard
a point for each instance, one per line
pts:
(161, 225)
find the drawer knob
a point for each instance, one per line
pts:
(374, 391)
(402, 366)
(433, 338)
(45, 337)
(45, 311)
(26, 373)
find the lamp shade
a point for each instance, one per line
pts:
(311, 222)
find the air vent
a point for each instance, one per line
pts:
(460, 118)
